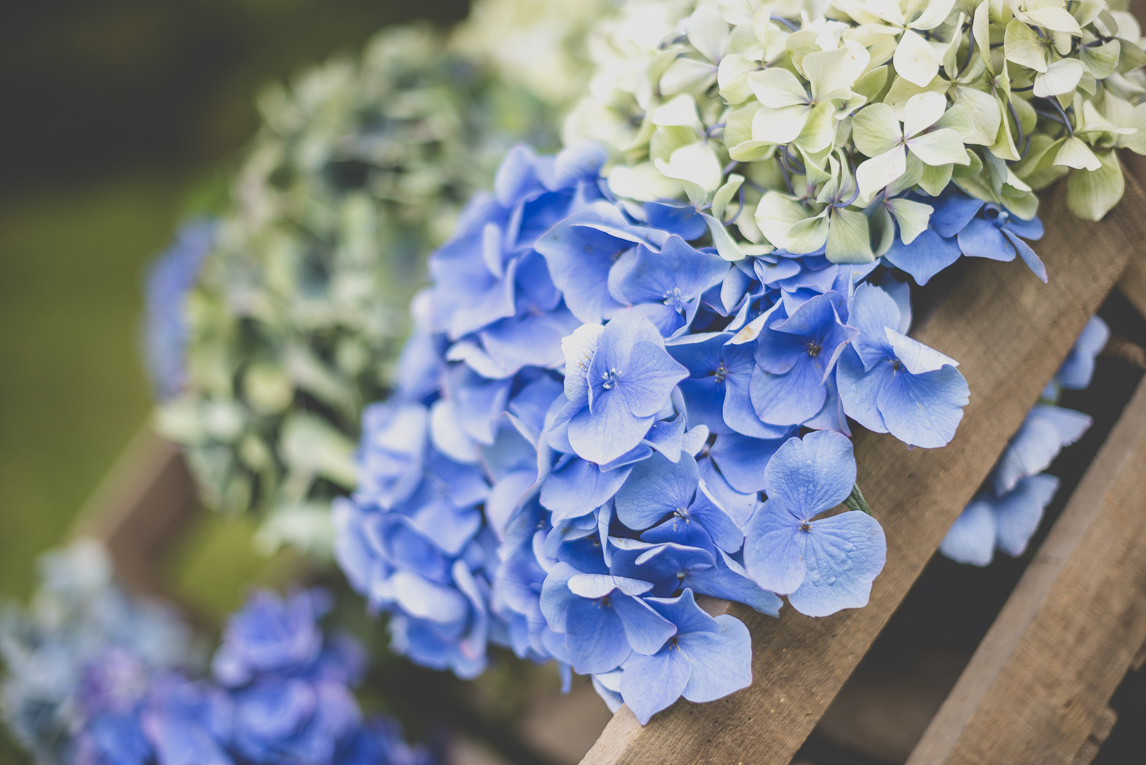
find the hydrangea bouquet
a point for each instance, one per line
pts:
(99, 677)
(632, 383)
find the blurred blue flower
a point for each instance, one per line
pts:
(168, 281)
(1004, 522)
(1077, 370)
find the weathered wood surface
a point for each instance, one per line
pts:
(139, 509)
(1010, 333)
(1070, 630)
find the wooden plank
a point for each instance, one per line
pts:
(139, 509)
(1010, 332)
(1070, 630)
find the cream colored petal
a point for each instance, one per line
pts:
(922, 111)
(780, 125)
(877, 172)
(777, 88)
(940, 147)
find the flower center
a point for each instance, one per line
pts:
(610, 378)
(673, 299)
(814, 349)
(805, 526)
(720, 373)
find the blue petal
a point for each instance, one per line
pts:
(773, 550)
(812, 474)
(928, 254)
(843, 555)
(684, 613)
(859, 389)
(738, 506)
(924, 410)
(516, 175)
(983, 239)
(791, 398)
(1027, 229)
(1078, 369)
(742, 460)
(1028, 255)
(645, 629)
(655, 488)
(728, 580)
(579, 259)
(652, 683)
(595, 637)
(556, 595)
(707, 512)
(952, 211)
(579, 488)
(872, 311)
(971, 539)
(682, 220)
(721, 662)
(1018, 514)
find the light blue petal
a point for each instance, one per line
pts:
(928, 254)
(952, 211)
(924, 410)
(971, 539)
(1018, 514)
(1038, 441)
(721, 662)
(843, 555)
(812, 474)
(788, 399)
(595, 636)
(646, 630)
(983, 239)
(914, 355)
(1028, 255)
(655, 488)
(516, 175)
(859, 389)
(652, 683)
(609, 432)
(1078, 369)
(773, 553)
(728, 580)
(556, 595)
(871, 311)
(742, 460)
(578, 488)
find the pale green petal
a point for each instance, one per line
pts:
(1074, 153)
(958, 119)
(848, 238)
(666, 140)
(725, 194)
(940, 147)
(832, 73)
(909, 179)
(1054, 19)
(808, 235)
(871, 85)
(708, 33)
(777, 88)
(680, 111)
(819, 130)
(1004, 145)
(696, 163)
(780, 125)
(726, 246)
(1023, 46)
(877, 172)
(687, 75)
(1091, 194)
(881, 229)
(915, 60)
(1101, 60)
(911, 216)
(1061, 77)
(981, 27)
(901, 91)
(733, 78)
(775, 216)
(935, 12)
(921, 112)
(875, 129)
(984, 112)
(642, 182)
(738, 124)
(934, 179)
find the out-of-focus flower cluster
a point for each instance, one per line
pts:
(96, 677)
(836, 126)
(1007, 511)
(358, 172)
(589, 413)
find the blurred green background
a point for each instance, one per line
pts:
(117, 119)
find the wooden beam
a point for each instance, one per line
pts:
(139, 508)
(1010, 332)
(1070, 630)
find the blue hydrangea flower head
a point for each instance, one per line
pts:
(890, 383)
(169, 279)
(824, 564)
(271, 634)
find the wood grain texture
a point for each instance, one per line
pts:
(139, 509)
(1070, 630)
(1010, 333)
